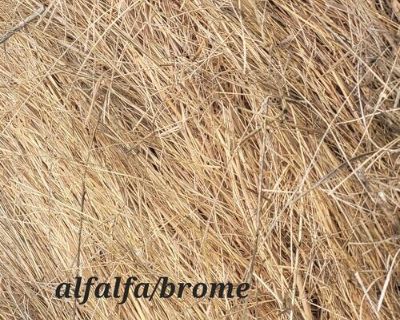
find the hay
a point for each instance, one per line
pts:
(204, 141)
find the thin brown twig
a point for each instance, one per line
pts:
(22, 24)
(249, 276)
(82, 207)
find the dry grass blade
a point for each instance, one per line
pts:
(132, 143)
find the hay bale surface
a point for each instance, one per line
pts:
(204, 141)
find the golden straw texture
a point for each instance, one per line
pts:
(206, 141)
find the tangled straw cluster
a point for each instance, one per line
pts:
(206, 141)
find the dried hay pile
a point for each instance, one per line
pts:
(205, 141)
